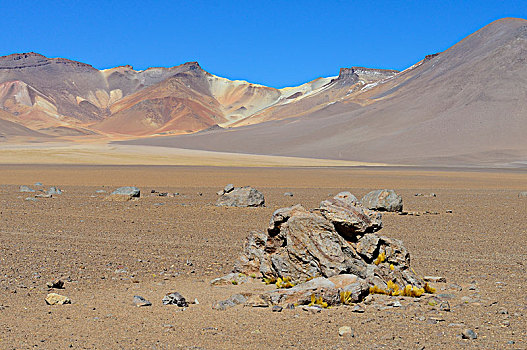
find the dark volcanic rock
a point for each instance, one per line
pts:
(241, 197)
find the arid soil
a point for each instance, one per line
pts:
(109, 251)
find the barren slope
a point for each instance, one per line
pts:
(465, 106)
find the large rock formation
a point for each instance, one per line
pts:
(336, 239)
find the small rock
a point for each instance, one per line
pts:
(57, 299)
(42, 195)
(449, 211)
(502, 311)
(469, 334)
(31, 199)
(54, 191)
(277, 308)
(38, 183)
(228, 188)
(444, 306)
(234, 300)
(396, 303)
(435, 279)
(56, 284)
(25, 188)
(175, 299)
(358, 308)
(522, 194)
(257, 301)
(290, 306)
(140, 301)
(288, 194)
(312, 309)
(345, 331)
(100, 191)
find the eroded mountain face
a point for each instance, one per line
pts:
(60, 97)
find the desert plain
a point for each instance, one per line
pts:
(472, 233)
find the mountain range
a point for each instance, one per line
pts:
(464, 106)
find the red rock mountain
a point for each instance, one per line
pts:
(59, 97)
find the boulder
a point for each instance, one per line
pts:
(125, 193)
(383, 200)
(54, 191)
(325, 252)
(25, 188)
(175, 299)
(234, 300)
(241, 197)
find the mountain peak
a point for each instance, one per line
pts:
(33, 59)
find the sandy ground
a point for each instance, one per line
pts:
(102, 153)
(110, 251)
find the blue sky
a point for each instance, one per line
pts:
(275, 43)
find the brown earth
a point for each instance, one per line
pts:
(80, 236)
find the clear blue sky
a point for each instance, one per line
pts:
(276, 43)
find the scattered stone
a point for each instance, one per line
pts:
(56, 284)
(522, 194)
(38, 183)
(42, 195)
(312, 309)
(31, 199)
(444, 306)
(125, 193)
(397, 303)
(434, 279)
(257, 301)
(346, 331)
(241, 197)
(234, 300)
(57, 299)
(25, 188)
(231, 278)
(54, 191)
(288, 194)
(469, 334)
(449, 211)
(290, 306)
(277, 308)
(383, 200)
(175, 299)
(425, 195)
(100, 191)
(358, 309)
(502, 311)
(140, 301)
